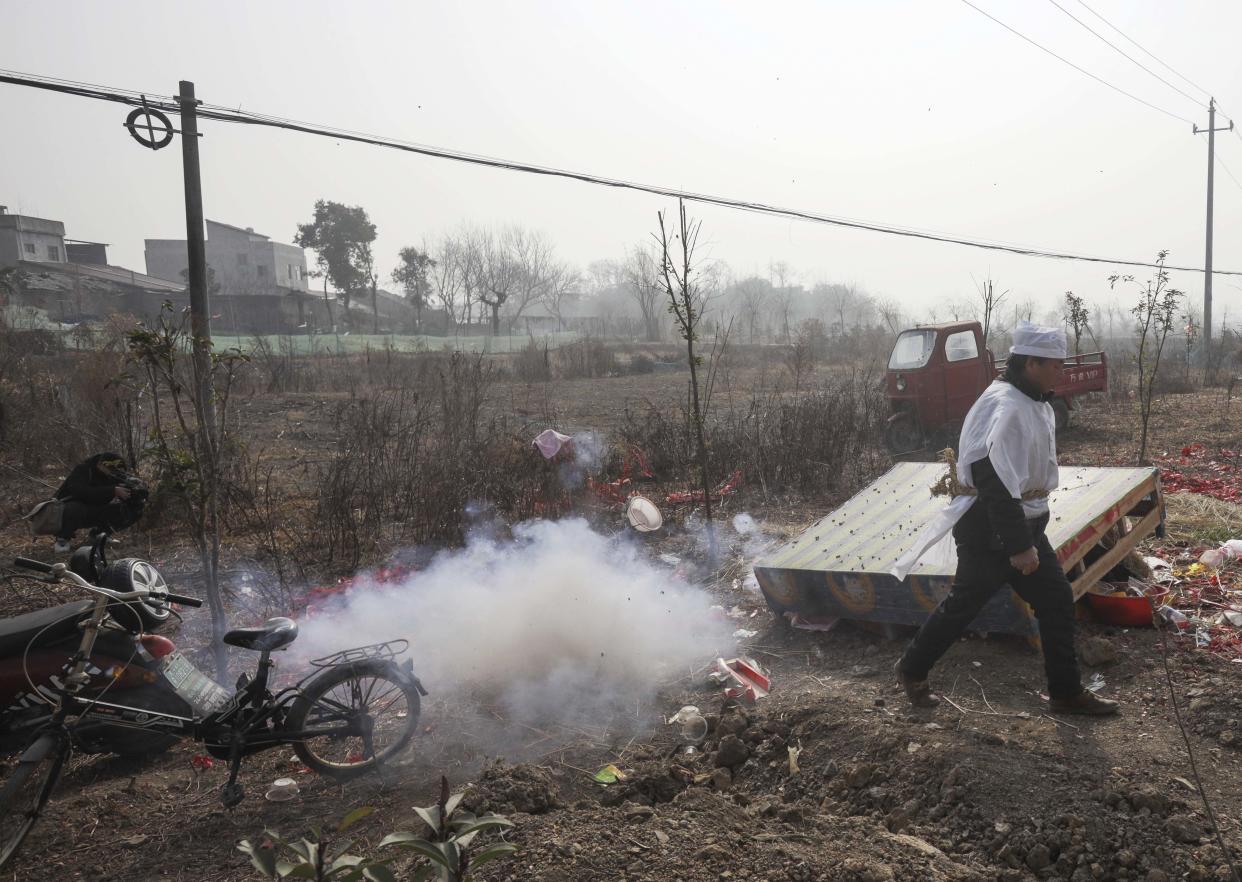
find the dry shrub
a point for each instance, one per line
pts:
(641, 363)
(586, 359)
(821, 440)
(531, 363)
(58, 406)
(414, 464)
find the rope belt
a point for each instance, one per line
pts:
(949, 485)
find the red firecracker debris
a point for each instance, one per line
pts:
(319, 597)
(729, 486)
(1218, 475)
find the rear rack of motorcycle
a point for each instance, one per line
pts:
(387, 649)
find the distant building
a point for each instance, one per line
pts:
(71, 281)
(576, 315)
(30, 238)
(89, 253)
(241, 262)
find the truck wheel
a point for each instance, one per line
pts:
(1061, 413)
(903, 435)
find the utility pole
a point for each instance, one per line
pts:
(196, 254)
(204, 388)
(1207, 259)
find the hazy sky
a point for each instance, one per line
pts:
(920, 113)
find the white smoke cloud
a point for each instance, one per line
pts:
(557, 624)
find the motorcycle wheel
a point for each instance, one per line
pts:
(27, 788)
(374, 693)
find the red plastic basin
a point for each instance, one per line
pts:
(1128, 611)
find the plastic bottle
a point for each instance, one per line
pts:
(1213, 558)
(693, 724)
(1174, 617)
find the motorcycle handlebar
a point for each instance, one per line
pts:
(141, 594)
(36, 565)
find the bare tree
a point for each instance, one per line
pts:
(784, 295)
(1154, 312)
(499, 276)
(643, 284)
(1023, 310)
(1077, 317)
(562, 287)
(190, 440)
(446, 279)
(839, 302)
(473, 258)
(531, 253)
(753, 294)
(890, 313)
(989, 300)
(1190, 322)
(686, 301)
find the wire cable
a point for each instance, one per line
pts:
(1123, 53)
(222, 114)
(1234, 177)
(1144, 51)
(1221, 163)
(1081, 70)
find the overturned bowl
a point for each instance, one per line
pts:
(283, 789)
(642, 514)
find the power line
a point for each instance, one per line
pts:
(1122, 52)
(1081, 70)
(229, 115)
(1144, 51)
(1221, 163)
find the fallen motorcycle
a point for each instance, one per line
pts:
(94, 680)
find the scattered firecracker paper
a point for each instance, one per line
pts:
(742, 678)
(1218, 474)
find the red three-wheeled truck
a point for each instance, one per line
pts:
(936, 372)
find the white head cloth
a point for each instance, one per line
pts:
(1029, 339)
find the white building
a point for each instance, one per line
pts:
(30, 238)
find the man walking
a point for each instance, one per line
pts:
(1007, 464)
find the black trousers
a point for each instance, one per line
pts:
(981, 572)
(110, 517)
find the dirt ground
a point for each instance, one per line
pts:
(831, 777)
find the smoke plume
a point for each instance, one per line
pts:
(558, 624)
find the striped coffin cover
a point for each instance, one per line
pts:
(840, 566)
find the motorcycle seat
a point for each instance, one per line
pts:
(44, 626)
(273, 634)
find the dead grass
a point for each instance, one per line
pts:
(1201, 519)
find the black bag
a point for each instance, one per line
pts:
(46, 517)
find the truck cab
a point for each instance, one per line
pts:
(936, 372)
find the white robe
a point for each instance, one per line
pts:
(1018, 434)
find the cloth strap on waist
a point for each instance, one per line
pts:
(950, 486)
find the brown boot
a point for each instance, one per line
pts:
(917, 691)
(1085, 702)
